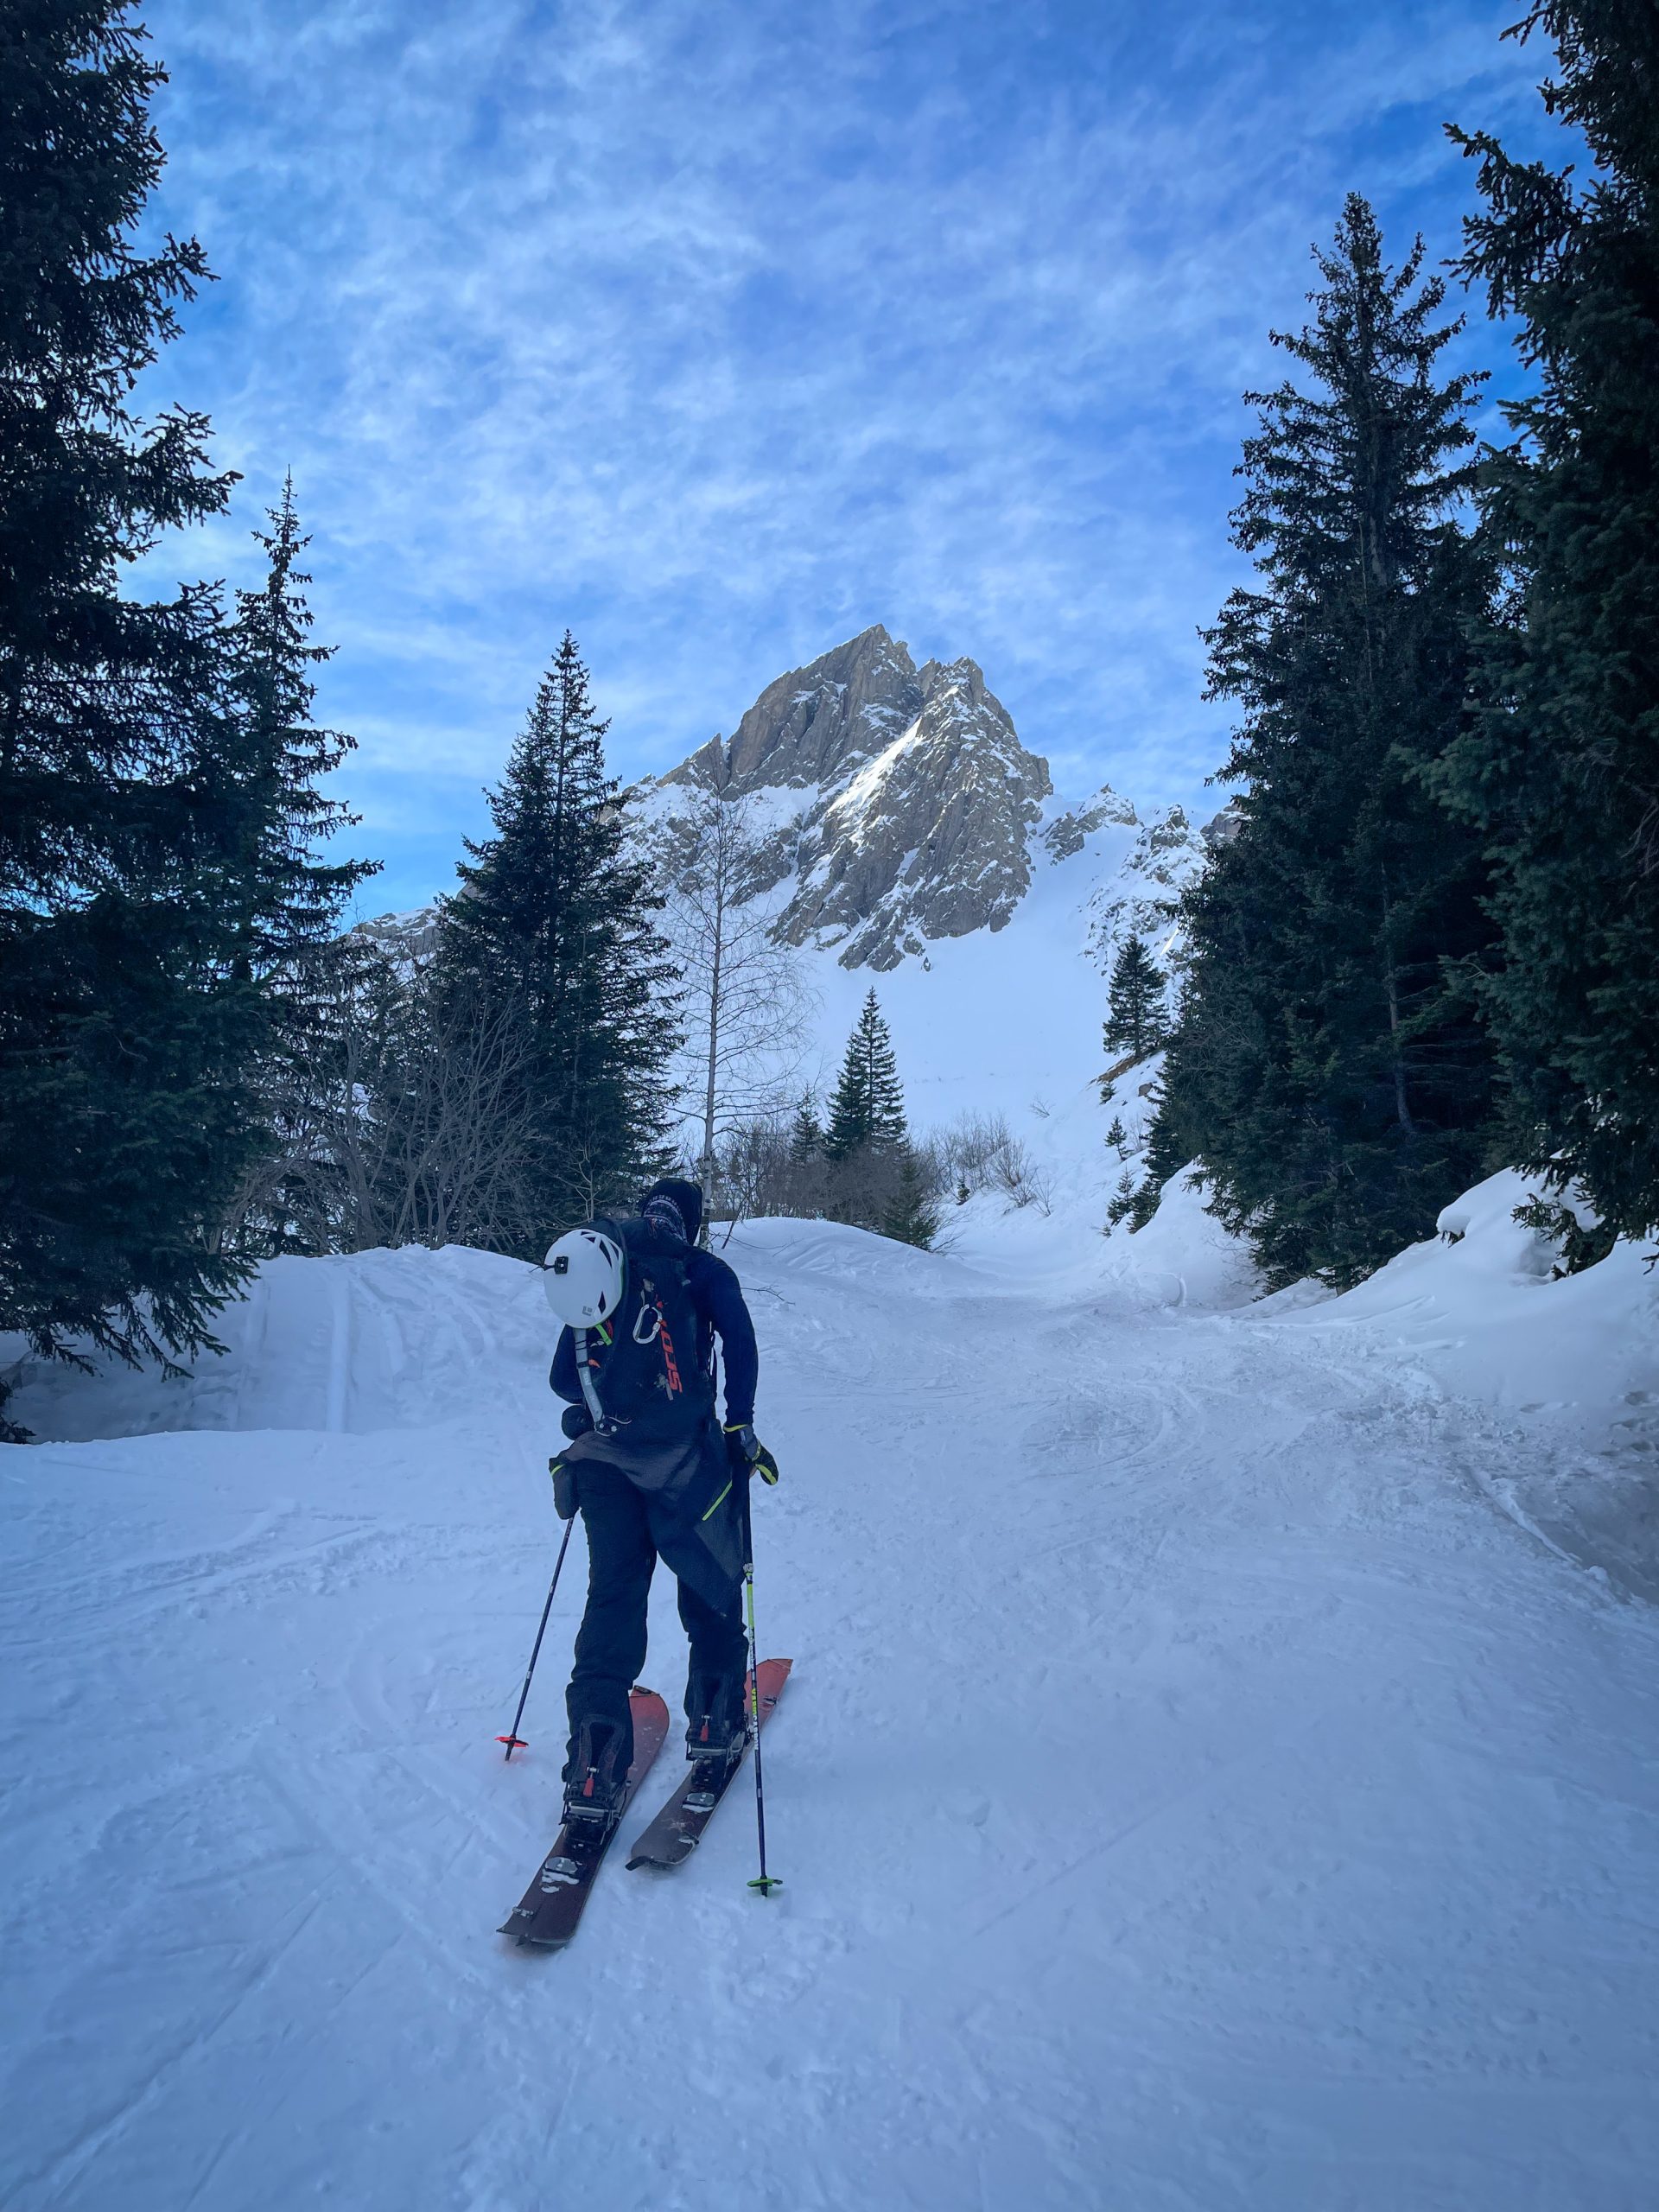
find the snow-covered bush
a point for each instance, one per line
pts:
(980, 1152)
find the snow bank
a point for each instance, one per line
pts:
(1564, 1368)
(1183, 1256)
(366, 1341)
(1569, 1364)
(1478, 1305)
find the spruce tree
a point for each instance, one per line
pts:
(911, 1218)
(281, 901)
(1122, 1201)
(806, 1132)
(1135, 998)
(1560, 771)
(255, 863)
(146, 827)
(556, 921)
(1330, 1071)
(868, 1107)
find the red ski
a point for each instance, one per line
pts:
(551, 1907)
(677, 1830)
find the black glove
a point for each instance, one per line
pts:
(575, 1420)
(564, 1489)
(746, 1454)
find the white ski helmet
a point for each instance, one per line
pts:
(583, 1278)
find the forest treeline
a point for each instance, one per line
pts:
(1431, 946)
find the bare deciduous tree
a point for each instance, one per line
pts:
(745, 1003)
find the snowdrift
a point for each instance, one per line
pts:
(364, 1341)
(1568, 1366)
(1479, 1306)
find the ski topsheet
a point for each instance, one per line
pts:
(548, 1913)
(675, 1833)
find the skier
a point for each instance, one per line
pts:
(652, 1473)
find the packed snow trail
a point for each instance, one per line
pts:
(1192, 1792)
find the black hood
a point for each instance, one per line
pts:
(685, 1196)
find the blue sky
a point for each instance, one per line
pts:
(718, 330)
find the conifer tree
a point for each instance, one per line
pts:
(280, 899)
(1561, 771)
(1136, 1000)
(556, 920)
(806, 1132)
(911, 1218)
(255, 865)
(1330, 1071)
(150, 829)
(1121, 1204)
(868, 1107)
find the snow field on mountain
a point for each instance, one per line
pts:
(1002, 1020)
(1192, 1793)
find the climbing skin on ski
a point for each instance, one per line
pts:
(548, 1914)
(678, 1829)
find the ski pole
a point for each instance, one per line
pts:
(765, 1882)
(512, 1740)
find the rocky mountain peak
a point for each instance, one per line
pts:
(916, 799)
(816, 722)
(928, 839)
(1144, 898)
(899, 807)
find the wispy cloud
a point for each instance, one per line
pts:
(717, 331)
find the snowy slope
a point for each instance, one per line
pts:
(1567, 1367)
(1191, 1793)
(1006, 1021)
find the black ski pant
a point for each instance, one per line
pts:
(611, 1642)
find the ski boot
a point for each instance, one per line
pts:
(593, 1790)
(717, 1730)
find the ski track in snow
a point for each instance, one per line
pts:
(1193, 1793)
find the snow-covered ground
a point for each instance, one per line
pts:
(1194, 1792)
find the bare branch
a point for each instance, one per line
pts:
(746, 1004)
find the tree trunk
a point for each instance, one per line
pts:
(1401, 1102)
(713, 1047)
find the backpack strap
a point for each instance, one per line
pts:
(585, 1376)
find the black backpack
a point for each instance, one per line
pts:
(641, 1376)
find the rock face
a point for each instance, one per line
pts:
(1143, 900)
(918, 799)
(900, 807)
(413, 936)
(1069, 832)
(813, 725)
